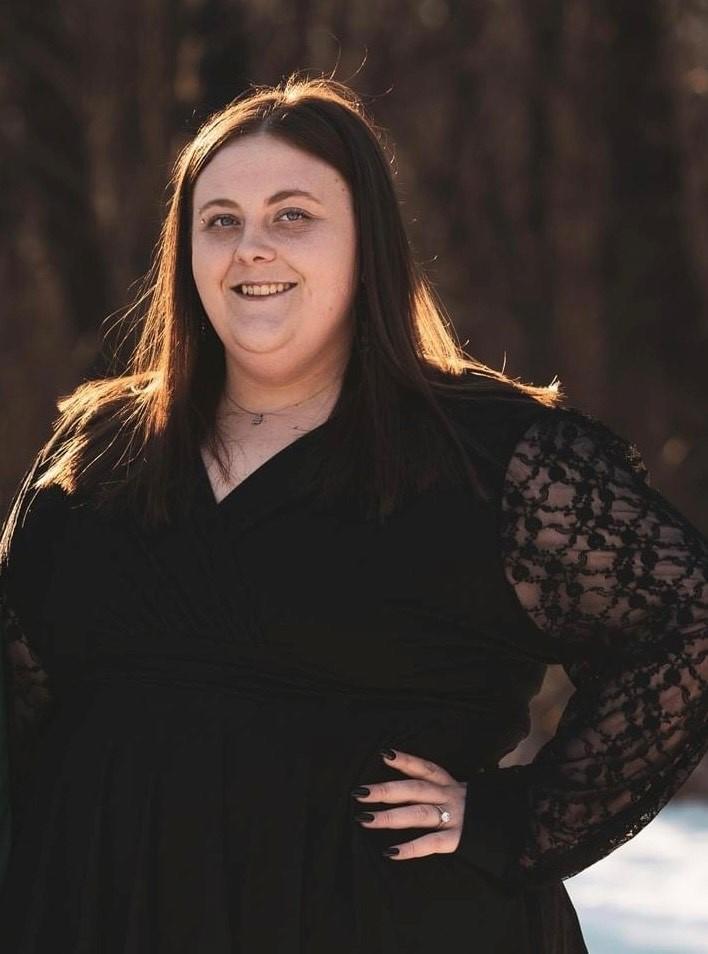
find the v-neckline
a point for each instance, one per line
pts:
(261, 475)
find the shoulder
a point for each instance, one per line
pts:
(31, 532)
(572, 443)
(492, 419)
(513, 432)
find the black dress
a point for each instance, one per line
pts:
(189, 708)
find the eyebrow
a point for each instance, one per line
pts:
(276, 197)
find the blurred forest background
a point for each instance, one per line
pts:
(552, 166)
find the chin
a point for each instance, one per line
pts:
(261, 343)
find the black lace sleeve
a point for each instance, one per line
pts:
(25, 688)
(5, 815)
(607, 568)
(27, 691)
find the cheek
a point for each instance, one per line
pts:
(334, 266)
(208, 261)
(199, 265)
(340, 278)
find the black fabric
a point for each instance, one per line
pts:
(605, 564)
(189, 708)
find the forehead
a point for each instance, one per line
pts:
(253, 167)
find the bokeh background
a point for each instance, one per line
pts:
(551, 158)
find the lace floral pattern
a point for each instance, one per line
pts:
(605, 565)
(29, 696)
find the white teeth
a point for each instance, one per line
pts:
(272, 289)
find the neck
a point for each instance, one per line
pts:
(305, 400)
(269, 399)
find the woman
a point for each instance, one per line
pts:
(277, 596)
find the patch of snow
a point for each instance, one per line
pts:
(651, 895)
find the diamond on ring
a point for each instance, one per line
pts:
(445, 815)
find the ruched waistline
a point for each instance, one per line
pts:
(252, 680)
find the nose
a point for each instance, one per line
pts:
(253, 247)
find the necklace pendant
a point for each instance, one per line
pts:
(257, 419)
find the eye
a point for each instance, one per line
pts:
(215, 218)
(212, 223)
(295, 212)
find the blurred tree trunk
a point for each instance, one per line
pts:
(94, 109)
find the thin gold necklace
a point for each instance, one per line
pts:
(259, 415)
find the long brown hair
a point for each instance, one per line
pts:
(131, 435)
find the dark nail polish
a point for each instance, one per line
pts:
(389, 753)
(360, 790)
(364, 816)
(389, 852)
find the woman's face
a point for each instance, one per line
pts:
(248, 230)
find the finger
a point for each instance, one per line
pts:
(409, 816)
(418, 767)
(403, 790)
(442, 842)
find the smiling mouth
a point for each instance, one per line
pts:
(258, 295)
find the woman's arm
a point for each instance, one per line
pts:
(5, 816)
(603, 564)
(25, 689)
